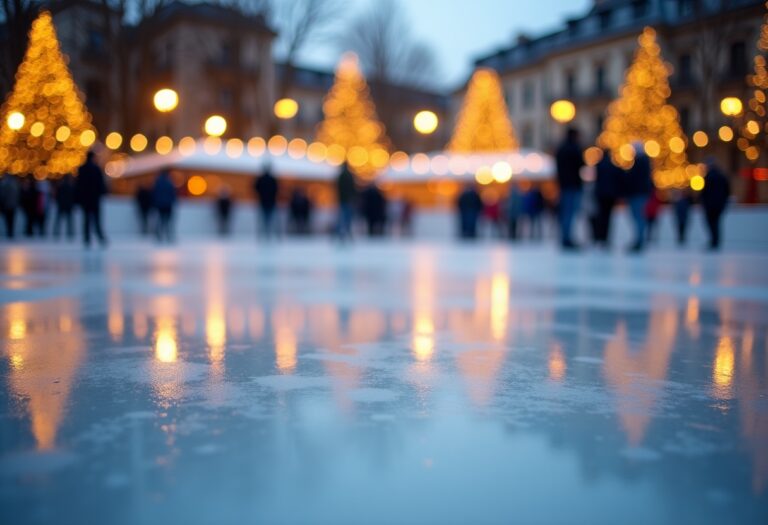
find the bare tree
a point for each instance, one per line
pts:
(17, 16)
(382, 39)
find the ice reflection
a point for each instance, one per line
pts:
(423, 293)
(722, 369)
(557, 365)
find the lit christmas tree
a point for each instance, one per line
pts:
(642, 114)
(350, 121)
(753, 126)
(483, 123)
(46, 129)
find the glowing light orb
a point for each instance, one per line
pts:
(425, 122)
(215, 126)
(166, 100)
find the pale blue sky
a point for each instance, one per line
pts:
(461, 30)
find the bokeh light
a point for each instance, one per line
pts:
(286, 108)
(215, 126)
(425, 122)
(196, 185)
(165, 100)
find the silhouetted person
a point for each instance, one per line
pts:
(65, 205)
(374, 209)
(30, 197)
(681, 202)
(514, 210)
(9, 201)
(346, 196)
(533, 206)
(266, 189)
(144, 207)
(43, 205)
(90, 187)
(469, 206)
(164, 201)
(300, 210)
(569, 159)
(224, 211)
(714, 199)
(608, 178)
(638, 186)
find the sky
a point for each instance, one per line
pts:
(459, 31)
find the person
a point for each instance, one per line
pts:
(9, 201)
(90, 187)
(373, 206)
(714, 199)
(43, 205)
(588, 206)
(533, 205)
(569, 160)
(266, 188)
(652, 209)
(224, 210)
(65, 204)
(638, 187)
(608, 178)
(300, 210)
(346, 194)
(163, 200)
(681, 201)
(469, 205)
(144, 207)
(30, 197)
(514, 209)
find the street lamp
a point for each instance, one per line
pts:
(425, 122)
(562, 111)
(215, 126)
(730, 106)
(286, 108)
(165, 100)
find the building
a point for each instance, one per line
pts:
(709, 44)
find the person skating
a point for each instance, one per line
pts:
(164, 201)
(638, 186)
(608, 179)
(65, 204)
(569, 160)
(90, 188)
(9, 202)
(714, 199)
(266, 188)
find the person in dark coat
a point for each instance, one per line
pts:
(300, 210)
(681, 202)
(266, 188)
(65, 204)
(533, 206)
(638, 186)
(164, 201)
(90, 187)
(144, 207)
(569, 160)
(9, 201)
(514, 210)
(346, 196)
(469, 206)
(30, 197)
(714, 199)
(224, 211)
(608, 179)
(374, 209)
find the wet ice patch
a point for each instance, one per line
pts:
(35, 463)
(641, 454)
(293, 382)
(372, 395)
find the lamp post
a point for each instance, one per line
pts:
(731, 107)
(425, 122)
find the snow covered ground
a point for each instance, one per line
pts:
(382, 382)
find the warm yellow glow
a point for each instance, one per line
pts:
(379, 157)
(557, 364)
(316, 152)
(215, 126)
(752, 153)
(722, 369)
(277, 145)
(562, 111)
(212, 145)
(484, 175)
(357, 156)
(399, 160)
(87, 137)
(676, 145)
(753, 127)
(196, 185)
(425, 122)
(187, 146)
(166, 347)
(336, 154)
(627, 153)
(697, 183)
(115, 168)
(256, 146)
(114, 140)
(15, 120)
(502, 171)
(286, 108)
(164, 145)
(297, 148)
(652, 148)
(165, 100)
(499, 305)
(731, 106)
(592, 155)
(63, 133)
(138, 143)
(725, 133)
(37, 129)
(234, 148)
(700, 139)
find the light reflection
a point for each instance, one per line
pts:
(692, 316)
(557, 365)
(499, 305)
(423, 286)
(115, 321)
(285, 324)
(166, 348)
(722, 369)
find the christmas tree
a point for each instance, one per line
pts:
(483, 123)
(642, 114)
(753, 126)
(46, 129)
(350, 120)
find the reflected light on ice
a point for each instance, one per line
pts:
(499, 305)
(557, 365)
(166, 348)
(722, 369)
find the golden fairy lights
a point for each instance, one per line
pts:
(483, 124)
(350, 120)
(645, 93)
(48, 128)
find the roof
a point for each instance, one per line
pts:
(208, 13)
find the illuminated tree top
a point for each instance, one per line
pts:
(46, 129)
(753, 125)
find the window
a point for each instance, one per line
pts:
(639, 8)
(600, 79)
(528, 94)
(684, 75)
(738, 59)
(570, 84)
(605, 19)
